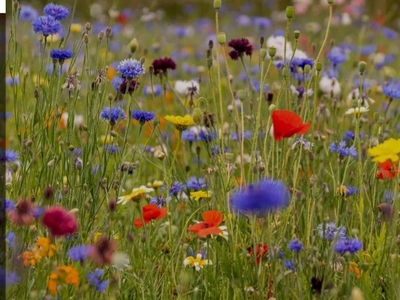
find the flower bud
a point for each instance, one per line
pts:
(318, 66)
(271, 108)
(160, 155)
(101, 35)
(197, 116)
(210, 44)
(307, 69)
(108, 32)
(88, 26)
(156, 122)
(362, 66)
(221, 38)
(271, 51)
(330, 2)
(133, 45)
(217, 4)
(241, 95)
(263, 53)
(86, 38)
(289, 12)
(296, 34)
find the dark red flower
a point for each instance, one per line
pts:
(240, 47)
(150, 212)
(103, 251)
(287, 123)
(59, 221)
(23, 214)
(162, 65)
(262, 250)
(133, 85)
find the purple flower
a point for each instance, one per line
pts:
(295, 245)
(58, 12)
(389, 33)
(113, 114)
(348, 245)
(80, 252)
(343, 150)
(176, 188)
(336, 56)
(392, 89)
(329, 231)
(266, 196)
(38, 212)
(130, 68)
(159, 201)
(262, 22)
(10, 239)
(240, 47)
(47, 25)
(8, 156)
(60, 55)
(142, 116)
(28, 13)
(94, 279)
(112, 149)
(289, 264)
(367, 49)
(8, 278)
(9, 205)
(195, 183)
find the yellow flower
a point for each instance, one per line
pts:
(44, 247)
(181, 123)
(76, 27)
(64, 274)
(356, 111)
(196, 262)
(353, 268)
(389, 149)
(136, 194)
(106, 139)
(200, 194)
(156, 184)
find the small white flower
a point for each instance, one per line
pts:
(355, 95)
(187, 87)
(279, 43)
(330, 86)
(357, 110)
(120, 261)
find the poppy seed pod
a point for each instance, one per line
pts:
(221, 38)
(289, 12)
(133, 45)
(217, 4)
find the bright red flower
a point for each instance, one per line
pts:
(150, 212)
(59, 221)
(387, 171)
(262, 250)
(212, 219)
(287, 123)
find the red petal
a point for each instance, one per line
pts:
(213, 217)
(287, 123)
(197, 227)
(208, 231)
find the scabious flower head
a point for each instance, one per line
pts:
(267, 196)
(388, 150)
(46, 25)
(57, 11)
(240, 47)
(60, 55)
(348, 245)
(142, 116)
(28, 13)
(80, 252)
(59, 221)
(329, 231)
(336, 56)
(195, 183)
(162, 65)
(113, 114)
(392, 89)
(8, 156)
(23, 214)
(295, 246)
(130, 68)
(94, 279)
(103, 251)
(176, 188)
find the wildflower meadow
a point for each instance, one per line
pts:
(225, 154)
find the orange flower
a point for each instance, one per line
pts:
(64, 274)
(287, 123)
(44, 247)
(30, 259)
(212, 219)
(353, 268)
(388, 170)
(150, 212)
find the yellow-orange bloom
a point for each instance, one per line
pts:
(353, 268)
(181, 123)
(388, 150)
(197, 195)
(44, 247)
(64, 274)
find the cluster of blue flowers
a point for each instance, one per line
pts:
(330, 232)
(176, 188)
(80, 252)
(113, 114)
(392, 89)
(60, 55)
(345, 245)
(196, 134)
(195, 183)
(343, 150)
(50, 23)
(95, 279)
(142, 116)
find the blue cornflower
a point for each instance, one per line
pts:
(116, 83)
(38, 212)
(289, 264)
(8, 278)
(47, 25)
(12, 80)
(156, 88)
(267, 196)
(198, 134)
(215, 150)
(142, 116)
(8, 155)
(10, 239)
(389, 33)
(112, 149)
(295, 245)
(60, 55)
(9, 205)
(130, 68)
(57, 11)
(77, 152)
(329, 231)
(392, 89)
(195, 183)
(351, 190)
(262, 22)
(246, 136)
(80, 252)
(348, 245)
(113, 114)
(176, 188)
(159, 201)
(349, 135)
(94, 279)
(28, 13)
(336, 56)
(368, 49)
(343, 150)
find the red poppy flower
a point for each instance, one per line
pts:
(262, 250)
(287, 123)
(212, 219)
(150, 212)
(387, 171)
